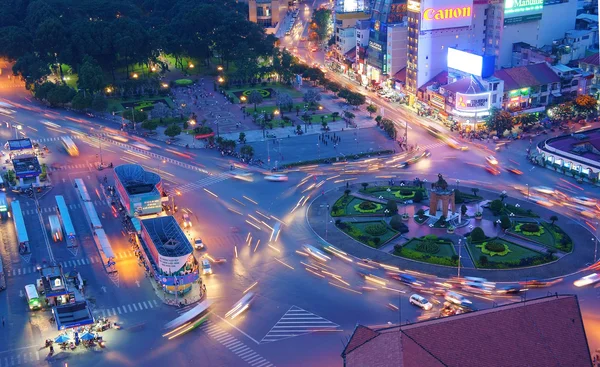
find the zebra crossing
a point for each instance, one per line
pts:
(296, 322)
(9, 359)
(244, 352)
(55, 168)
(69, 263)
(53, 209)
(56, 138)
(433, 145)
(127, 309)
(207, 181)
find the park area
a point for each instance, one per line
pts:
(396, 193)
(429, 249)
(546, 234)
(349, 205)
(370, 233)
(498, 253)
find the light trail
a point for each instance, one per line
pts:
(210, 192)
(253, 225)
(342, 287)
(237, 201)
(250, 287)
(234, 211)
(250, 200)
(282, 263)
(262, 215)
(255, 247)
(314, 273)
(274, 248)
(235, 250)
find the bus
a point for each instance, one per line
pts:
(70, 146)
(19, 222)
(82, 190)
(2, 184)
(188, 321)
(55, 228)
(33, 299)
(66, 219)
(3, 204)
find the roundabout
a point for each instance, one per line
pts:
(486, 234)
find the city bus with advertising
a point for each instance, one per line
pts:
(3, 205)
(33, 299)
(70, 146)
(55, 228)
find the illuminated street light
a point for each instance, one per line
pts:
(192, 122)
(220, 68)
(320, 107)
(276, 112)
(191, 66)
(135, 76)
(108, 90)
(153, 69)
(243, 98)
(221, 80)
(165, 85)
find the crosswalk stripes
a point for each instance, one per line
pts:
(123, 255)
(70, 166)
(237, 347)
(433, 145)
(15, 359)
(295, 322)
(52, 209)
(207, 181)
(128, 308)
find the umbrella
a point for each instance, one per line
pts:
(62, 339)
(87, 336)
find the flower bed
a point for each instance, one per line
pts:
(504, 255)
(395, 193)
(429, 249)
(562, 241)
(533, 232)
(371, 233)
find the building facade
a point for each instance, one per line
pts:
(140, 191)
(267, 13)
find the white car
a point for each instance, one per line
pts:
(198, 245)
(187, 222)
(544, 190)
(420, 301)
(316, 253)
(240, 306)
(584, 201)
(206, 269)
(587, 280)
(456, 298)
(491, 160)
(276, 178)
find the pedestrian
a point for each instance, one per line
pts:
(3, 322)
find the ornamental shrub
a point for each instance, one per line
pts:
(420, 213)
(418, 196)
(496, 206)
(428, 247)
(530, 227)
(505, 222)
(367, 205)
(376, 229)
(494, 246)
(477, 234)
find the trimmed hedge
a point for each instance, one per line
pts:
(428, 247)
(530, 227)
(376, 229)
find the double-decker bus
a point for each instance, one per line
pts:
(69, 146)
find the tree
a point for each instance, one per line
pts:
(478, 235)
(321, 18)
(307, 119)
(255, 98)
(505, 222)
(247, 151)
(503, 196)
(335, 115)
(392, 207)
(348, 116)
(355, 99)
(562, 112)
(81, 102)
(499, 120)
(389, 128)
(418, 196)
(585, 105)
(311, 97)
(496, 206)
(60, 95)
(99, 103)
(397, 224)
(172, 130)
(553, 219)
(371, 109)
(285, 102)
(463, 209)
(150, 125)
(31, 69)
(242, 137)
(475, 191)
(364, 185)
(91, 76)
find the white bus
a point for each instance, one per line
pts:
(55, 228)
(70, 146)
(33, 299)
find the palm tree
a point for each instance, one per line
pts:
(553, 219)
(475, 191)
(335, 115)
(306, 118)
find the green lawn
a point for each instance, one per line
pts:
(277, 87)
(351, 208)
(116, 104)
(442, 255)
(562, 241)
(545, 238)
(517, 257)
(395, 192)
(357, 230)
(70, 77)
(519, 212)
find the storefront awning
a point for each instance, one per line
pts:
(72, 315)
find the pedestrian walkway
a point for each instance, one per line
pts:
(237, 347)
(52, 209)
(127, 308)
(204, 182)
(56, 167)
(295, 322)
(19, 357)
(69, 263)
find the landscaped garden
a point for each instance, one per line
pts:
(398, 193)
(498, 207)
(497, 253)
(429, 249)
(371, 233)
(546, 234)
(267, 91)
(145, 104)
(349, 205)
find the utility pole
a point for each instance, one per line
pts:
(100, 145)
(459, 255)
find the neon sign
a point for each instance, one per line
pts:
(520, 6)
(437, 14)
(448, 13)
(472, 102)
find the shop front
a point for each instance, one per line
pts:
(470, 110)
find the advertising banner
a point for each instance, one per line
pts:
(181, 280)
(436, 14)
(519, 11)
(473, 102)
(172, 264)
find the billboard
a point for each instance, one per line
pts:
(436, 14)
(519, 11)
(469, 63)
(472, 102)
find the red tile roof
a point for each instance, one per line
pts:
(542, 332)
(592, 59)
(527, 76)
(361, 335)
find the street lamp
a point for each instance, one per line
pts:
(220, 68)
(191, 66)
(221, 80)
(243, 99)
(192, 123)
(108, 90)
(165, 85)
(135, 76)
(459, 255)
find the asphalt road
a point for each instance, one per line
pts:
(291, 300)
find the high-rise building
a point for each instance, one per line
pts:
(267, 13)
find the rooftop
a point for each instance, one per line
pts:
(592, 59)
(167, 236)
(19, 144)
(26, 165)
(527, 76)
(465, 85)
(136, 180)
(540, 332)
(585, 144)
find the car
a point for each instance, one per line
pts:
(475, 287)
(534, 283)
(316, 253)
(456, 298)
(587, 280)
(406, 279)
(584, 201)
(510, 289)
(544, 190)
(240, 306)
(187, 222)
(206, 268)
(450, 309)
(420, 301)
(492, 170)
(276, 178)
(514, 170)
(491, 160)
(198, 244)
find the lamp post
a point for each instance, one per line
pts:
(457, 183)
(192, 123)
(459, 255)
(596, 244)
(527, 191)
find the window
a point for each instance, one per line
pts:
(544, 88)
(494, 98)
(543, 99)
(495, 86)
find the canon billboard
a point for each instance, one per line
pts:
(443, 14)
